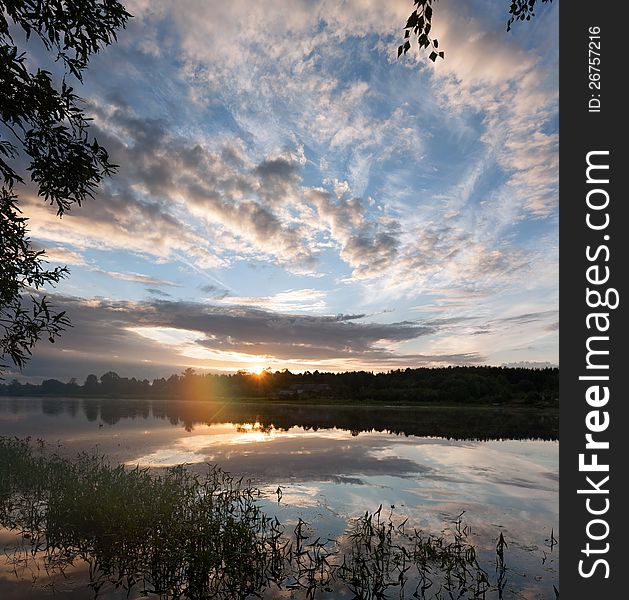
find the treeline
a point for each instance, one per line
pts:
(467, 385)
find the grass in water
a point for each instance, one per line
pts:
(181, 535)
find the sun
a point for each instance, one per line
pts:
(256, 369)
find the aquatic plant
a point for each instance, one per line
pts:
(183, 535)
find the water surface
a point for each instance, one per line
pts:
(332, 463)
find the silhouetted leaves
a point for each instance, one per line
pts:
(521, 10)
(420, 23)
(45, 125)
(22, 268)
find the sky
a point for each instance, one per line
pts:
(292, 195)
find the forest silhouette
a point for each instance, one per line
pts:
(447, 385)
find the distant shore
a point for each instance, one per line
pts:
(445, 386)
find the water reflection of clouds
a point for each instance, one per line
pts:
(303, 495)
(429, 479)
(331, 471)
(296, 454)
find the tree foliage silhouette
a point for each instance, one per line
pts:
(419, 24)
(44, 132)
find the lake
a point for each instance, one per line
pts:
(331, 463)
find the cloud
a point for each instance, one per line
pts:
(304, 300)
(62, 255)
(135, 277)
(214, 291)
(114, 222)
(70, 257)
(285, 135)
(179, 334)
(528, 318)
(368, 246)
(220, 185)
(243, 195)
(515, 94)
(212, 204)
(157, 292)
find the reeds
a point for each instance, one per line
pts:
(182, 535)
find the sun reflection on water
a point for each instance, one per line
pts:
(197, 448)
